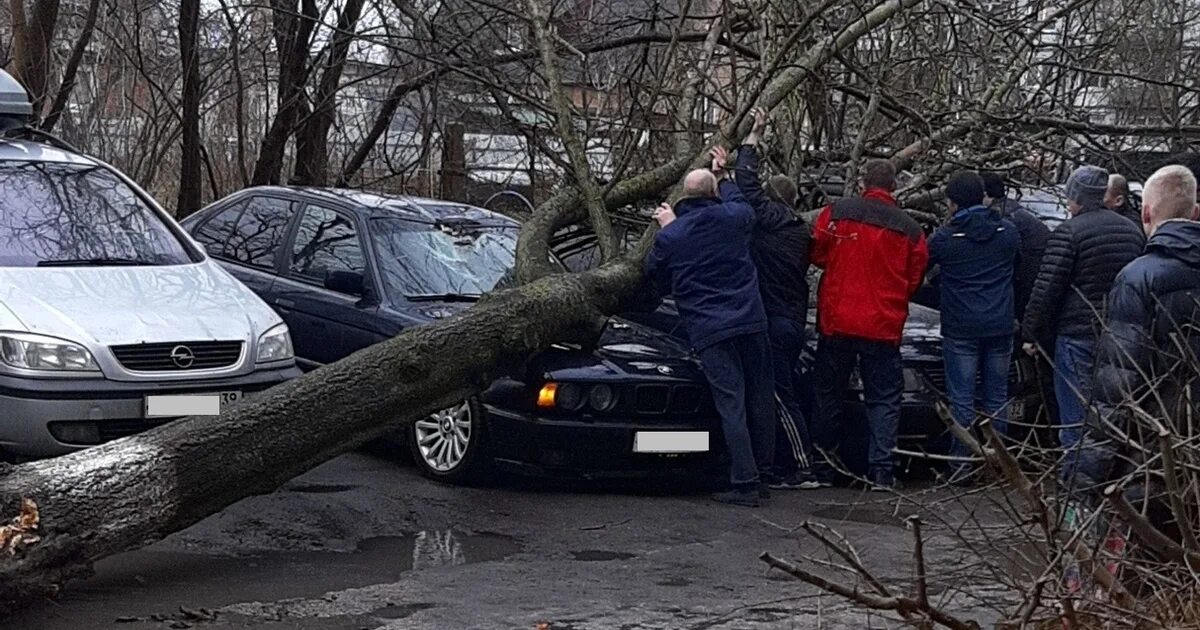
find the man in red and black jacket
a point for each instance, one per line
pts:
(874, 257)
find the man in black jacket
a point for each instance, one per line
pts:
(1034, 235)
(1152, 335)
(779, 248)
(1083, 256)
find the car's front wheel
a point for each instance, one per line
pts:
(450, 445)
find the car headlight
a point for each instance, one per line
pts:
(38, 352)
(275, 345)
(602, 398)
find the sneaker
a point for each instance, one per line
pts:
(738, 496)
(799, 480)
(883, 481)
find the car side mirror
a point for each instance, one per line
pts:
(348, 282)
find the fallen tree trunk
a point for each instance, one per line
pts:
(131, 492)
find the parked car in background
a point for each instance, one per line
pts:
(348, 269)
(111, 319)
(1046, 203)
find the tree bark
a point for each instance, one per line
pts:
(32, 33)
(292, 33)
(72, 68)
(190, 181)
(134, 491)
(312, 140)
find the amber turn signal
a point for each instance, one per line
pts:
(546, 395)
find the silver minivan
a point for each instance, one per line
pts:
(112, 320)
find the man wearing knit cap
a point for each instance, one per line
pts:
(977, 251)
(1083, 257)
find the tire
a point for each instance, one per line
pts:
(451, 445)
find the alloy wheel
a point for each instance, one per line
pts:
(443, 437)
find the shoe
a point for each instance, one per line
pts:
(883, 481)
(763, 493)
(799, 480)
(738, 496)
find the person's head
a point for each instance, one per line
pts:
(782, 188)
(1085, 188)
(878, 174)
(1170, 193)
(700, 183)
(993, 187)
(1117, 192)
(964, 189)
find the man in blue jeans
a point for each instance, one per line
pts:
(1083, 257)
(978, 252)
(703, 259)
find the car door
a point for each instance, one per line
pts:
(246, 237)
(327, 321)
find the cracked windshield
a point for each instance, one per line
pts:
(453, 258)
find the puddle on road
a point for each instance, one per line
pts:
(146, 582)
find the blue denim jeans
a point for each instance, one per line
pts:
(792, 442)
(1074, 358)
(883, 385)
(977, 370)
(743, 390)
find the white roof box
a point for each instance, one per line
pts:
(15, 109)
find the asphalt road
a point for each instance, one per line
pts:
(365, 542)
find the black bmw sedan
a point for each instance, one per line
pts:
(347, 269)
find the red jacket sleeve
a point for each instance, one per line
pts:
(822, 240)
(918, 261)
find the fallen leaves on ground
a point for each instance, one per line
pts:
(20, 532)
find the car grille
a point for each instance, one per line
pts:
(113, 429)
(656, 399)
(173, 357)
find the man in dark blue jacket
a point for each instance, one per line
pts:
(977, 252)
(779, 247)
(702, 257)
(1146, 359)
(1034, 235)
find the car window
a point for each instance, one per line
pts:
(78, 214)
(259, 231)
(325, 241)
(215, 233)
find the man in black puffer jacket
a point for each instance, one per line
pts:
(1152, 338)
(779, 248)
(1083, 257)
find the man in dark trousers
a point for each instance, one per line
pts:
(1150, 341)
(977, 251)
(703, 259)
(1082, 259)
(780, 251)
(873, 256)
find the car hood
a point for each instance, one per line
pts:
(120, 305)
(625, 350)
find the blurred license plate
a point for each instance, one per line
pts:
(670, 441)
(189, 404)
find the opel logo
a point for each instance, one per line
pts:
(182, 357)
(664, 370)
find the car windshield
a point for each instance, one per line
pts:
(461, 257)
(56, 214)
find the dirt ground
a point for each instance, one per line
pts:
(364, 542)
